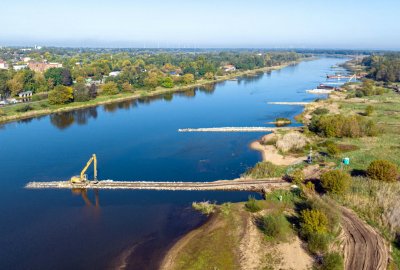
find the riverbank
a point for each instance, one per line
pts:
(43, 108)
(232, 239)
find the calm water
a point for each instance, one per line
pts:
(135, 140)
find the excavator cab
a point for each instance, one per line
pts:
(82, 178)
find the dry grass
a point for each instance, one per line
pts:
(292, 141)
(378, 202)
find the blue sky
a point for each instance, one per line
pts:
(202, 23)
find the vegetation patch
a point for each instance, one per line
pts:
(265, 169)
(383, 170)
(276, 227)
(280, 122)
(206, 207)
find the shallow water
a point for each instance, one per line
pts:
(134, 140)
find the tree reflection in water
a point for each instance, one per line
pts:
(66, 119)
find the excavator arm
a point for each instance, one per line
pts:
(82, 178)
(92, 159)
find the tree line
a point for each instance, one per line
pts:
(83, 71)
(384, 67)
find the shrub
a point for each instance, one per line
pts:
(297, 177)
(168, 82)
(352, 126)
(204, 207)
(280, 122)
(292, 141)
(39, 96)
(369, 110)
(252, 205)
(335, 181)
(313, 221)
(321, 111)
(333, 150)
(265, 170)
(318, 242)
(269, 141)
(382, 170)
(332, 261)
(276, 226)
(24, 108)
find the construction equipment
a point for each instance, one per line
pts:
(82, 178)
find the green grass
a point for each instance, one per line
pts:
(387, 144)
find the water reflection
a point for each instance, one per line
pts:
(66, 119)
(84, 193)
(250, 78)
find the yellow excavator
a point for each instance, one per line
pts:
(82, 178)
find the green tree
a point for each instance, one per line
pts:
(127, 87)
(168, 82)
(335, 181)
(81, 92)
(59, 76)
(110, 88)
(61, 95)
(15, 85)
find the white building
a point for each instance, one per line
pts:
(25, 94)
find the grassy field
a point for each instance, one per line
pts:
(376, 202)
(387, 144)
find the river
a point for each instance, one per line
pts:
(133, 140)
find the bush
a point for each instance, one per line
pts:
(39, 96)
(24, 108)
(204, 207)
(320, 111)
(168, 82)
(335, 181)
(353, 126)
(297, 177)
(280, 122)
(369, 110)
(332, 261)
(252, 205)
(276, 226)
(265, 170)
(313, 221)
(382, 170)
(318, 242)
(333, 150)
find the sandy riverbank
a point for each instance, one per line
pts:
(270, 153)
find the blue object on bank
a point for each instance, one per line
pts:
(346, 161)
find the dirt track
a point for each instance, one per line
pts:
(363, 247)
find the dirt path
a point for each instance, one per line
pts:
(363, 247)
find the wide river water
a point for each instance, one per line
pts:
(134, 140)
